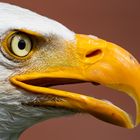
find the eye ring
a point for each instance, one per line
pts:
(15, 51)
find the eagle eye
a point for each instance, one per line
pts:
(20, 44)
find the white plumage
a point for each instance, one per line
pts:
(13, 17)
(14, 118)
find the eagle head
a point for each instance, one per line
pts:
(37, 53)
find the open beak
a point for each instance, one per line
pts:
(97, 61)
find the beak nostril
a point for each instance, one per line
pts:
(94, 53)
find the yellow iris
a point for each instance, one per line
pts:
(20, 45)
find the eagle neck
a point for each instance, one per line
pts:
(14, 119)
(10, 136)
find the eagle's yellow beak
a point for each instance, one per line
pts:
(97, 61)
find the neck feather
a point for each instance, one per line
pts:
(14, 119)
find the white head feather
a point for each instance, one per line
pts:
(14, 17)
(14, 117)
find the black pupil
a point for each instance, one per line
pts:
(21, 44)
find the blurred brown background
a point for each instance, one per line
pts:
(114, 20)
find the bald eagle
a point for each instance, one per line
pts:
(37, 53)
